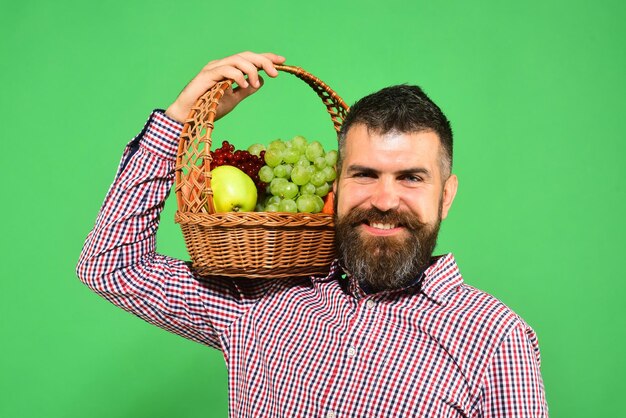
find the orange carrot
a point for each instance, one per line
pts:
(329, 203)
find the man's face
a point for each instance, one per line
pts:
(390, 200)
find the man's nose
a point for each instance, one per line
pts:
(386, 196)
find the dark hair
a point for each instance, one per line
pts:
(403, 109)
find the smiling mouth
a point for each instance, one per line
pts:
(382, 226)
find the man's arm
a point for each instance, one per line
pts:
(512, 385)
(119, 260)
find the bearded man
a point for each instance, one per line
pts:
(390, 332)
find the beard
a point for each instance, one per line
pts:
(385, 262)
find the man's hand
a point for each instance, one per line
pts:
(243, 68)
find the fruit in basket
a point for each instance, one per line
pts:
(273, 157)
(300, 174)
(288, 205)
(314, 150)
(250, 162)
(256, 149)
(329, 203)
(233, 190)
(306, 203)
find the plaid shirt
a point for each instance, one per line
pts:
(318, 346)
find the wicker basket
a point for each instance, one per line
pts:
(247, 244)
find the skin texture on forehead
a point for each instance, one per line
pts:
(423, 148)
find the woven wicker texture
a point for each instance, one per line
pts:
(247, 244)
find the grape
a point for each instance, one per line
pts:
(288, 205)
(280, 170)
(291, 155)
(290, 190)
(322, 190)
(329, 173)
(266, 174)
(271, 208)
(256, 149)
(239, 155)
(306, 203)
(273, 200)
(320, 163)
(314, 150)
(299, 142)
(319, 203)
(277, 186)
(303, 161)
(273, 157)
(277, 144)
(318, 178)
(331, 157)
(308, 189)
(300, 175)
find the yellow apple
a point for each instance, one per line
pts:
(233, 190)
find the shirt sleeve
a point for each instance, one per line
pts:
(512, 386)
(119, 259)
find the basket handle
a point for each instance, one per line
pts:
(193, 191)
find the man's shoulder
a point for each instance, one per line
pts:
(471, 325)
(476, 302)
(486, 316)
(466, 305)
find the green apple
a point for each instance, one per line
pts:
(233, 190)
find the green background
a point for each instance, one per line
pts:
(536, 94)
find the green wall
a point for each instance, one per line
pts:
(535, 92)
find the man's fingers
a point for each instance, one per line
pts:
(265, 61)
(275, 59)
(249, 63)
(241, 93)
(250, 69)
(243, 68)
(217, 74)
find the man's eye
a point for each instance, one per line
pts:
(363, 175)
(413, 178)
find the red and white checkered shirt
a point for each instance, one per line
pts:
(319, 346)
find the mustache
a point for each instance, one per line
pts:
(373, 215)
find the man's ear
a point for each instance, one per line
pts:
(449, 191)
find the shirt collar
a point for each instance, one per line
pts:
(441, 279)
(437, 282)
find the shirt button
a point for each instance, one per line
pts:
(351, 352)
(370, 304)
(330, 414)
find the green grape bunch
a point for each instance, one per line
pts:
(299, 174)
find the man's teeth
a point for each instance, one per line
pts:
(383, 226)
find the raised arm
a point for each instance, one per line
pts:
(119, 260)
